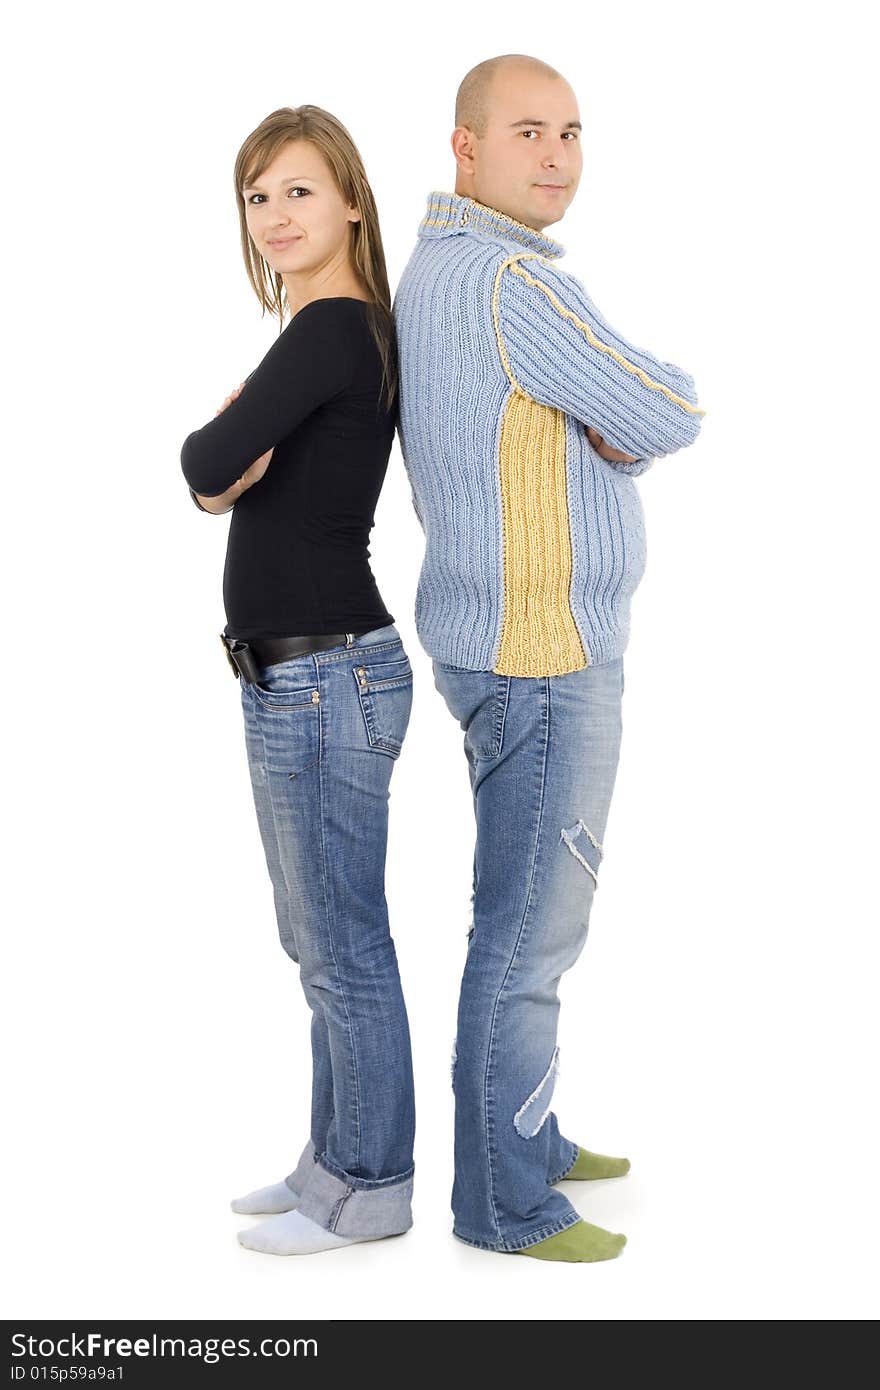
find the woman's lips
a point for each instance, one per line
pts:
(282, 242)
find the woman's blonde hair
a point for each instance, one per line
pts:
(330, 137)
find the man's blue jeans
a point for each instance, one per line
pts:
(542, 754)
(322, 733)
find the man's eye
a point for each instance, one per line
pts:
(572, 133)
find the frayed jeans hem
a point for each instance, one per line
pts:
(523, 1243)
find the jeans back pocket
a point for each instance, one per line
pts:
(478, 700)
(385, 692)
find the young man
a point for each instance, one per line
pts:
(524, 419)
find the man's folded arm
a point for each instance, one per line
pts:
(562, 352)
(308, 364)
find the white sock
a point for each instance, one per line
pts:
(277, 1197)
(291, 1233)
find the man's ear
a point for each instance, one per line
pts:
(463, 145)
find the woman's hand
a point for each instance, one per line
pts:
(233, 396)
(605, 451)
(254, 473)
(257, 469)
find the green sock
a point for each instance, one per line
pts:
(589, 1165)
(581, 1243)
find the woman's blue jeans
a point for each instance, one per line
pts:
(542, 754)
(323, 732)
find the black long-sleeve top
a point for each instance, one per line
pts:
(297, 557)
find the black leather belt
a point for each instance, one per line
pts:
(248, 659)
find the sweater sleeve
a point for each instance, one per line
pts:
(562, 352)
(307, 365)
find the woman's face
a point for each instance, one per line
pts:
(296, 215)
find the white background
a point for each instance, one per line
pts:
(718, 1027)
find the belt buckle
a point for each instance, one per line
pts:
(226, 641)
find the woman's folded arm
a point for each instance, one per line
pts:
(307, 365)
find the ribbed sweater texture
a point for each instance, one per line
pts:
(535, 544)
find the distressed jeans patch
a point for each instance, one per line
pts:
(533, 1112)
(585, 848)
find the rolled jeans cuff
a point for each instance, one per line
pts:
(297, 1180)
(354, 1207)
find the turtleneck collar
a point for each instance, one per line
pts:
(449, 213)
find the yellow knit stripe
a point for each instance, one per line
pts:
(539, 636)
(512, 264)
(496, 291)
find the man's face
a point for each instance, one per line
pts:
(529, 163)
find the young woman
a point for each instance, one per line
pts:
(299, 452)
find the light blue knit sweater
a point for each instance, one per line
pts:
(534, 543)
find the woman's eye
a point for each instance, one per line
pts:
(529, 132)
(253, 199)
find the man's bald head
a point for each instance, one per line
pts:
(517, 139)
(474, 94)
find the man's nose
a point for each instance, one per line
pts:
(556, 156)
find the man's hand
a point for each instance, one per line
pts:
(225, 502)
(605, 451)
